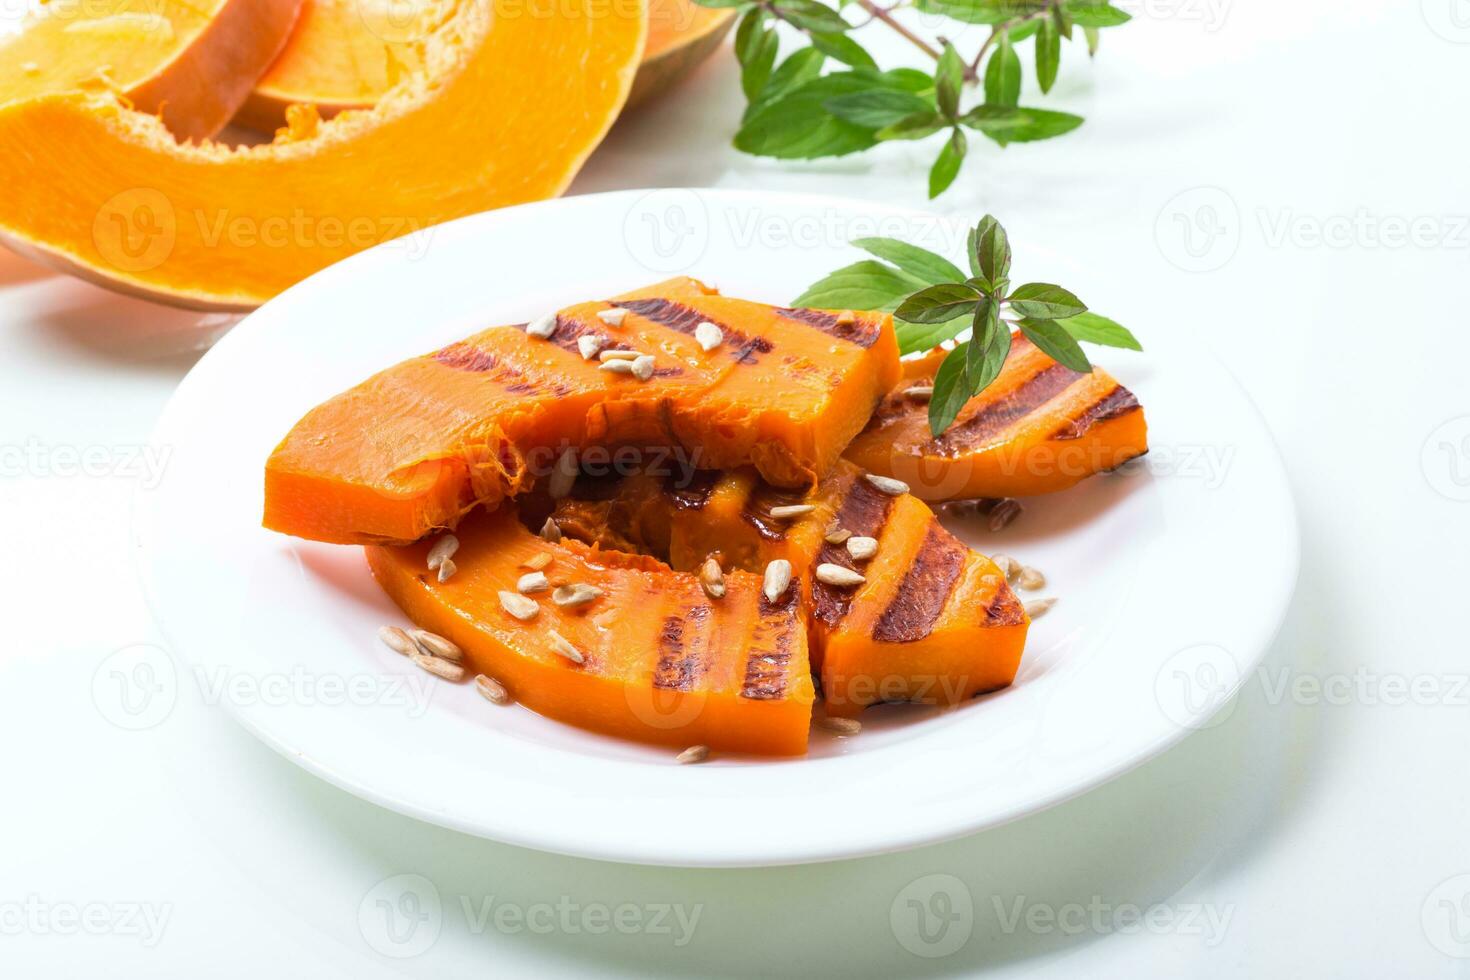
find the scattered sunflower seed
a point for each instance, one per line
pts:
(437, 646)
(862, 548)
(787, 511)
(537, 561)
(542, 327)
(616, 355)
(551, 531)
(561, 645)
(447, 669)
(643, 367)
(777, 579)
(613, 317)
(837, 535)
(1008, 566)
(447, 567)
(1031, 579)
(692, 755)
(444, 548)
(708, 335)
(563, 475)
(838, 575)
(1004, 513)
(493, 690)
(712, 578)
(887, 484)
(618, 366)
(532, 582)
(588, 345)
(841, 727)
(1037, 608)
(397, 640)
(575, 595)
(920, 393)
(846, 318)
(519, 606)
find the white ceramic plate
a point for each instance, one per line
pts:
(1165, 603)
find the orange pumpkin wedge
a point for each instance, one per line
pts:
(932, 622)
(346, 54)
(512, 98)
(193, 64)
(1039, 428)
(659, 661)
(416, 446)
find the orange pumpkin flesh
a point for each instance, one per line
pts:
(512, 97)
(192, 63)
(415, 447)
(1038, 428)
(662, 662)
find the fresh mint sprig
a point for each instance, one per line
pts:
(797, 109)
(933, 301)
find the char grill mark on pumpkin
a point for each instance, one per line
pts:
(682, 650)
(1004, 609)
(465, 356)
(864, 512)
(999, 414)
(685, 319)
(859, 331)
(693, 494)
(756, 511)
(1111, 405)
(925, 589)
(771, 647)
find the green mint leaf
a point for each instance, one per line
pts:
(915, 127)
(1048, 54)
(968, 370)
(865, 285)
(800, 67)
(1044, 301)
(949, 78)
(990, 250)
(809, 15)
(842, 48)
(877, 108)
(721, 4)
(935, 304)
(1093, 37)
(1024, 30)
(797, 125)
(1003, 75)
(1019, 125)
(1095, 15)
(914, 337)
(1063, 20)
(920, 262)
(1055, 342)
(982, 11)
(983, 329)
(950, 390)
(755, 49)
(947, 167)
(1095, 329)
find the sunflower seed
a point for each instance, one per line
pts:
(542, 327)
(397, 640)
(446, 669)
(787, 511)
(712, 578)
(532, 582)
(537, 561)
(920, 393)
(437, 646)
(693, 755)
(588, 345)
(1031, 579)
(1008, 566)
(563, 475)
(887, 484)
(616, 355)
(837, 535)
(643, 367)
(708, 335)
(550, 531)
(1037, 608)
(493, 690)
(862, 548)
(613, 317)
(846, 318)
(841, 727)
(838, 575)
(519, 606)
(777, 580)
(1003, 513)
(616, 367)
(575, 595)
(447, 567)
(561, 645)
(444, 548)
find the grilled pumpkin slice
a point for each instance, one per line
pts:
(661, 662)
(1039, 428)
(932, 621)
(415, 447)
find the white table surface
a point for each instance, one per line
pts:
(1320, 830)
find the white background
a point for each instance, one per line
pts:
(1319, 830)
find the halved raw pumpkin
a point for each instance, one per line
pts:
(346, 54)
(416, 446)
(660, 661)
(932, 621)
(193, 64)
(511, 98)
(1040, 427)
